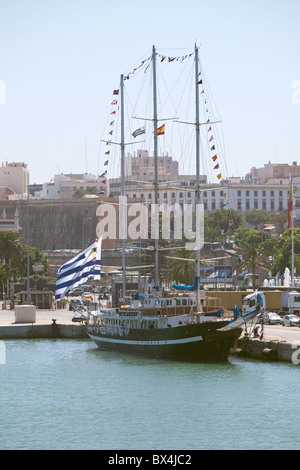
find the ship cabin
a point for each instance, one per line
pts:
(158, 306)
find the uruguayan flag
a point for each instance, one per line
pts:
(79, 269)
(139, 131)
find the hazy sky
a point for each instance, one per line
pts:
(60, 61)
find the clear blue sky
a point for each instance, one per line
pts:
(60, 61)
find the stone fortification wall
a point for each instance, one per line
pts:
(55, 224)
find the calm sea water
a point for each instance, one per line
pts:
(67, 394)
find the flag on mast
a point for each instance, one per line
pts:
(79, 269)
(161, 130)
(139, 131)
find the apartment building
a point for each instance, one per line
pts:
(141, 164)
(66, 186)
(273, 171)
(15, 175)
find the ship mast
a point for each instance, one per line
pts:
(197, 195)
(122, 206)
(156, 215)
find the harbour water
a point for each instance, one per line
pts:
(68, 395)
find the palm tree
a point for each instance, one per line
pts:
(183, 266)
(253, 250)
(9, 248)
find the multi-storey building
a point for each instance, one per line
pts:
(232, 194)
(270, 171)
(141, 164)
(65, 186)
(15, 176)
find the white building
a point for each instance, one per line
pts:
(65, 186)
(232, 194)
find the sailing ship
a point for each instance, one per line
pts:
(178, 326)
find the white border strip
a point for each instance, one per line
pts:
(145, 343)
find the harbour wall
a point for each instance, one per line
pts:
(267, 350)
(50, 331)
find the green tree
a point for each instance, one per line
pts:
(13, 255)
(252, 251)
(183, 266)
(10, 252)
(219, 223)
(257, 218)
(78, 193)
(282, 252)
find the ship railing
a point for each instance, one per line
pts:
(81, 314)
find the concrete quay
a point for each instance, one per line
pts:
(280, 344)
(48, 324)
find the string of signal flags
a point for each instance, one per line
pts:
(161, 130)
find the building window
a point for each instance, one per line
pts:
(247, 205)
(247, 193)
(239, 193)
(264, 193)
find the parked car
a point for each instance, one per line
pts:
(77, 291)
(290, 320)
(269, 317)
(75, 303)
(272, 318)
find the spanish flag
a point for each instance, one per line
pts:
(290, 207)
(161, 130)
